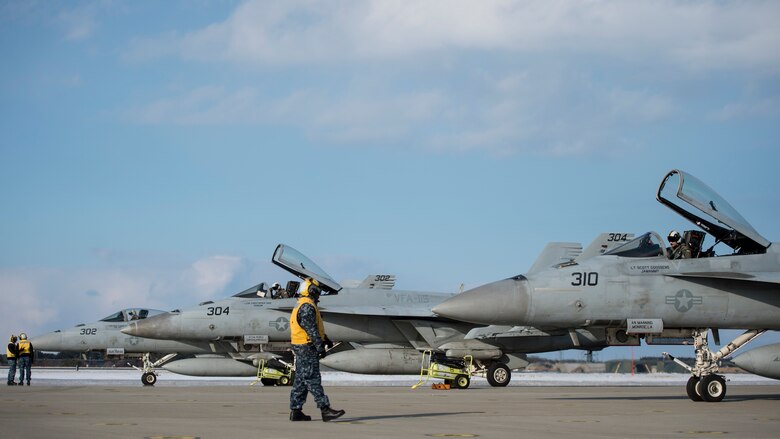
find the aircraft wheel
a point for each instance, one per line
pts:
(461, 382)
(148, 378)
(267, 381)
(712, 388)
(499, 375)
(691, 389)
(284, 381)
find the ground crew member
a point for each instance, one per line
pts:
(12, 353)
(25, 358)
(308, 338)
(679, 248)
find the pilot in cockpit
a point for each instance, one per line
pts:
(678, 249)
(276, 291)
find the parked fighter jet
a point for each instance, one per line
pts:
(104, 336)
(635, 291)
(764, 361)
(388, 329)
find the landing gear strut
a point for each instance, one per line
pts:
(705, 384)
(149, 376)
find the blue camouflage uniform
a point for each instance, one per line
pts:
(307, 363)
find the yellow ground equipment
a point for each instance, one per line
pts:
(455, 372)
(274, 372)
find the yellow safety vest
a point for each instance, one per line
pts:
(8, 352)
(24, 347)
(298, 335)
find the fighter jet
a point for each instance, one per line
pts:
(764, 361)
(635, 291)
(382, 330)
(105, 336)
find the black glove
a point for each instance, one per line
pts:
(322, 353)
(328, 344)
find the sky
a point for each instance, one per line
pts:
(153, 154)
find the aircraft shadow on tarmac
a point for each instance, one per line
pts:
(413, 415)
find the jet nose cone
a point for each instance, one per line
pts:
(48, 342)
(161, 327)
(499, 303)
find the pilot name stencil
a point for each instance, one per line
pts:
(684, 300)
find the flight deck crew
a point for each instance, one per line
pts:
(307, 334)
(12, 353)
(25, 358)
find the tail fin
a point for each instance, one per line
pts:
(556, 253)
(604, 243)
(378, 281)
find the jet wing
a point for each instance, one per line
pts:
(384, 311)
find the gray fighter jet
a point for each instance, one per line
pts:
(636, 291)
(383, 331)
(105, 336)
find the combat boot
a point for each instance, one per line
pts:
(297, 415)
(328, 414)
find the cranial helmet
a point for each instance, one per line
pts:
(23, 336)
(12, 339)
(311, 288)
(674, 236)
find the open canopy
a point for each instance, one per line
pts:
(296, 263)
(720, 219)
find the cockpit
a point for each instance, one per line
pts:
(695, 201)
(130, 314)
(645, 246)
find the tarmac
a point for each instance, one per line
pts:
(104, 410)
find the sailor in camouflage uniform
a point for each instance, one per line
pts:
(308, 344)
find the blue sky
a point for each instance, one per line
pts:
(154, 153)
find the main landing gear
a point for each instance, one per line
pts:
(149, 376)
(705, 384)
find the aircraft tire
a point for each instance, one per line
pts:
(690, 388)
(148, 378)
(712, 388)
(461, 382)
(499, 375)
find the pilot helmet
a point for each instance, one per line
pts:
(22, 336)
(674, 236)
(275, 286)
(311, 288)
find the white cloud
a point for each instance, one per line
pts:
(692, 35)
(43, 299)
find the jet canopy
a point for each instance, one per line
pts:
(129, 314)
(296, 263)
(680, 191)
(646, 246)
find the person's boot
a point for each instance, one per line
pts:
(28, 383)
(328, 414)
(297, 415)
